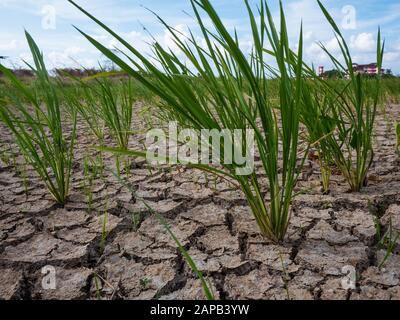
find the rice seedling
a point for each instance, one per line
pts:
(104, 231)
(104, 102)
(108, 105)
(14, 160)
(91, 171)
(116, 108)
(285, 277)
(136, 219)
(97, 286)
(340, 115)
(6, 156)
(397, 127)
(83, 100)
(378, 227)
(320, 124)
(226, 89)
(39, 133)
(389, 239)
(353, 111)
(25, 181)
(326, 174)
(144, 282)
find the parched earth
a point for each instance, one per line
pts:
(329, 235)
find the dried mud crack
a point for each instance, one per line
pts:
(136, 259)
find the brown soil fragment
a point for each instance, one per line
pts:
(272, 256)
(43, 248)
(208, 215)
(257, 284)
(324, 231)
(10, 284)
(135, 280)
(329, 260)
(192, 290)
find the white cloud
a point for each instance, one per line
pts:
(6, 3)
(332, 46)
(25, 57)
(364, 57)
(134, 38)
(71, 51)
(308, 35)
(314, 50)
(11, 45)
(317, 54)
(391, 56)
(364, 42)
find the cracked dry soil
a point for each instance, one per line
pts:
(138, 260)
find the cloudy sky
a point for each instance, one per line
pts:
(50, 23)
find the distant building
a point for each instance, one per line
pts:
(369, 69)
(364, 69)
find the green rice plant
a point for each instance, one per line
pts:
(318, 118)
(397, 127)
(315, 114)
(326, 173)
(14, 160)
(340, 114)
(136, 218)
(97, 286)
(104, 232)
(353, 109)
(389, 240)
(285, 277)
(91, 171)
(226, 89)
(38, 128)
(377, 226)
(144, 282)
(25, 181)
(105, 103)
(6, 156)
(84, 101)
(116, 108)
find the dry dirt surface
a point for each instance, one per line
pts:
(138, 260)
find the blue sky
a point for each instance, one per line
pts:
(50, 23)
